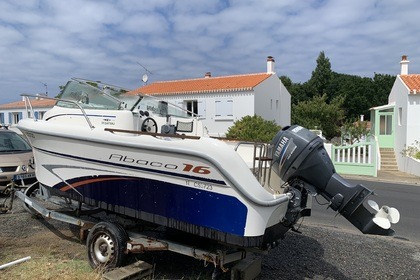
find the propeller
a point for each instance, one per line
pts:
(385, 215)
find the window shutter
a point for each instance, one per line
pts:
(202, 109)
(224, 108)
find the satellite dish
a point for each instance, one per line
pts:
(145, 78)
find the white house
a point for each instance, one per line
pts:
(11, 113)
(397, 124)
(219, 101)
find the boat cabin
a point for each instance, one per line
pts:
(100, 105)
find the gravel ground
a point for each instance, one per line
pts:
(327, 253)
(320, 252)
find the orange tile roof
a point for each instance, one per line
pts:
(412, 81)
(203, 85)
(36, 103)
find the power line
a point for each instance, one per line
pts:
(46, 88)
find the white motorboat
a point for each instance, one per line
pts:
(147, 160)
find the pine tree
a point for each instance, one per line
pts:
(321, 76)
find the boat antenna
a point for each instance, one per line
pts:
(46, 88)
(145, 69)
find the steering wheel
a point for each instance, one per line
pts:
(149, 125)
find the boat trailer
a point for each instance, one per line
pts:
(109, 240)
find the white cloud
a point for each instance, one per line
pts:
(47, 41)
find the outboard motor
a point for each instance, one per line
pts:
(299, 155)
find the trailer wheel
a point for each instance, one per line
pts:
(106, 245)
(32, 191)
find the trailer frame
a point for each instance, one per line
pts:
(137, 241)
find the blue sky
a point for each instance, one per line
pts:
(51, 41)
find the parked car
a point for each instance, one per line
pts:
(16, 160)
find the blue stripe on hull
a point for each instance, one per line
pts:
(195, 206)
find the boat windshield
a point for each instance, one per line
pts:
(162, 108)
(97, 95)
(88, 96)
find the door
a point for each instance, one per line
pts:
(386, 129)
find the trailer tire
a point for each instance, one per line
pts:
(106, 245)
(32, 191)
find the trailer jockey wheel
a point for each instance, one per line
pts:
(149, 125)
(106, 245)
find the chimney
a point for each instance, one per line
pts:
(207, 75)
(404, 65)
(270, 65)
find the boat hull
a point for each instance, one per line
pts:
(169, 184)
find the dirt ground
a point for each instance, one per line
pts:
(22, 235)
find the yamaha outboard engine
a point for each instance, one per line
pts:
(299, 157)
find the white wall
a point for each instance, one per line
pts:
(273, 101)
(412, 166)
(285, 106)
(406, 164)
(399, 95)
(407, 125)
(270, 100)
(8, 114)
(217, 126)
(242, 106)
(413, 117)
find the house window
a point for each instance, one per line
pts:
(385, 125)
(41, 114)
(1, 118)
(224, 108)
(192, 107)
(277, 104)
(15, 117)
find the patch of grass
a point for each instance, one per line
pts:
(49, 267)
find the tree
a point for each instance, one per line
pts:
(382, 84)
(317, 113)
(358, 94)
(321, 76)
(354, 131)
(357, 91)
(286, 81)
(301, 92)
(253, 128)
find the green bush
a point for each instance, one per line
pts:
(253, 128)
